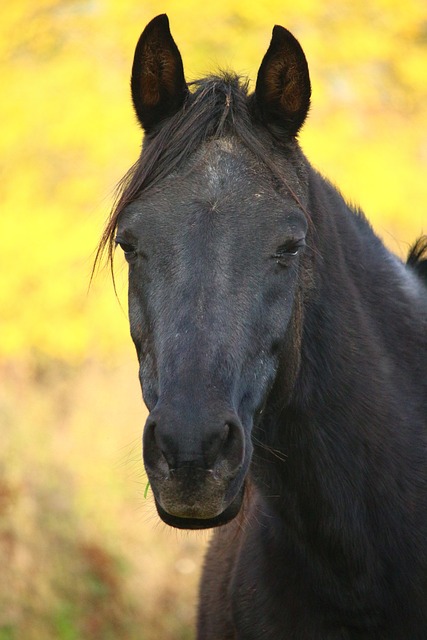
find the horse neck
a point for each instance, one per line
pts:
(339, 442)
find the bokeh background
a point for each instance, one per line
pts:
(82, 554)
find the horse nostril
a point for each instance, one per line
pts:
(232, 451)
(154, 455)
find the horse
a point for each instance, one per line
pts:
(282, 356)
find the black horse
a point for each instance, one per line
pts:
(282, 354)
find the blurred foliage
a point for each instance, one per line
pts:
(82, 554)
(69, 134)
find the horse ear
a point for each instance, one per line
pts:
(283, 85)
(158, 84)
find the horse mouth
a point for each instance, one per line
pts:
(190, 522)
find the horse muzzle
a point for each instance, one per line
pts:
(196, 475)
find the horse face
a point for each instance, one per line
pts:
(213, 246)
(214, 253)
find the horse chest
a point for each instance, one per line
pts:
(254, 590)
(267, 600)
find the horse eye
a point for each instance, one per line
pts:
(288, 250)
(128, 249)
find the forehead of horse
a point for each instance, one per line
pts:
(225, 168)
(228, 169)
(222, 180)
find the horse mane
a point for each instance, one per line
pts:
(216, 106)
(417, 258)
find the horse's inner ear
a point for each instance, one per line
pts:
(283, 84)
(158, 84)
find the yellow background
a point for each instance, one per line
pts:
(83, 554)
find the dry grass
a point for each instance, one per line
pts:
(82, 553)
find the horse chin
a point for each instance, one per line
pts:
(203, 523)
